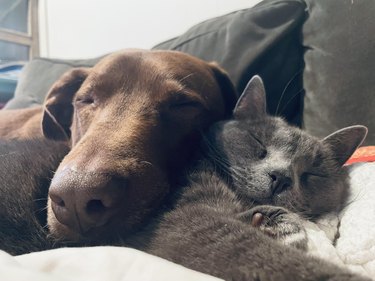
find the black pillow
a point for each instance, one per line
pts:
(339, 77)
(262, 40)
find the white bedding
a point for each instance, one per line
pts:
(356, 245)
(355, 248)
(94, 264)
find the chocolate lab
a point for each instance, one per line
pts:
(20, 124)
(133, 121)
(26, 168)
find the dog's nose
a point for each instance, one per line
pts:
(85, 201)
(279, 182)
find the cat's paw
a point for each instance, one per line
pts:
(278, 223)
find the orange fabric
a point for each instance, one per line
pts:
(363, 154)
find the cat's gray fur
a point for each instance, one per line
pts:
(209, 226)
(287, 173)
(26, 169)
(274, 163)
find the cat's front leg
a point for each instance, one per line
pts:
(278, 223)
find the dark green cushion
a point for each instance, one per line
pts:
(339, 76)
(38, 76)
(262, 40)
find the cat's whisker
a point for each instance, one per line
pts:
(45, 226)
(238, 171)
(361, 194)
(221, 161)
(286, 105)
(41, 209)
(237, 176)
(285, 88)
(40, 199)
(214, 156)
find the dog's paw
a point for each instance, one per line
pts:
(278, 223)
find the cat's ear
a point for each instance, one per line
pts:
(252, 103)
(345, 141)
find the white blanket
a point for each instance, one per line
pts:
(355, 248)
(356, 245)
(94, 264)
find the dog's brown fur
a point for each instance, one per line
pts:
(20, 123)
(134, 119)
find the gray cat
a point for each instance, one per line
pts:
(208, 228)
(287, 173)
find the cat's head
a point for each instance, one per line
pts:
(271, 162)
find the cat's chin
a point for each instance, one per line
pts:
(257, 198)
(263, 201)
(276, 200)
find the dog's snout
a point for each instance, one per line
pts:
(85, 201)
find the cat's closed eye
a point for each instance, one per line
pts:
(261, 150)
(306, 176)
(262, 153)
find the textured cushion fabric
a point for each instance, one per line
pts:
(340, 66)
(262, 40)
(37, 77)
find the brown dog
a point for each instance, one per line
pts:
(20, 123)
(134, 120)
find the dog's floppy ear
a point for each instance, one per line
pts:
(58, 107)
(229, 93)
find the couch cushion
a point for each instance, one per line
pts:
(262, 40)
(340, 66)
(37, 77)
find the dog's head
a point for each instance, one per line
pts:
(133, 120)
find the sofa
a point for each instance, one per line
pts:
(317, 59)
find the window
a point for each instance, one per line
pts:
(19, 40)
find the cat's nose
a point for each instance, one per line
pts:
(279, 182)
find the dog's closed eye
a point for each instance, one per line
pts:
(185, 104)
(185, 101)
(85, 99)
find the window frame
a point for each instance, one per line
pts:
(31, 38)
